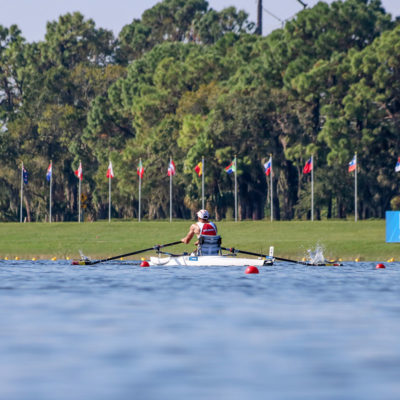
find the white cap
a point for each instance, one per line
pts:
(203, 214)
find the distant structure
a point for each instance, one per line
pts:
(259, 18)
(260, 10)
(302, 3)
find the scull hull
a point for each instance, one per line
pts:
(209, 261)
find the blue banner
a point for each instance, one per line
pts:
(392, 226)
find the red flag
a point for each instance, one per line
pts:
(308, 167)
(78, 172)
(110, 172)
(140, 169)
(171, 168)
(353, 164)
(199, 168)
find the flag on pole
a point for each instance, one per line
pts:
(231, 167)
(49, 172)
(171, 168)
(267, 167)
(78, 172)
(110, 172)
(25, 175)
(199, 168)
(140, 169)
(397, 167)
(308, 166)
(353, 164)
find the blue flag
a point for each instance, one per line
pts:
(25, 175)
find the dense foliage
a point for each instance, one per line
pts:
(187, 81)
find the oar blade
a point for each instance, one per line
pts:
(81, 262)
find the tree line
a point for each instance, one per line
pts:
(186, 81)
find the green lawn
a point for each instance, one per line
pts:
(340, 239)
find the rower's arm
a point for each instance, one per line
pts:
(189, 236)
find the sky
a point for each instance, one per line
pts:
(31, 16)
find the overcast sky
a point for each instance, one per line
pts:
(31, 16)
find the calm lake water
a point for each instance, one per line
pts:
(119, 331)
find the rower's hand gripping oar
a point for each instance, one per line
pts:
(157, 247)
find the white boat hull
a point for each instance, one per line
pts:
(209, 261)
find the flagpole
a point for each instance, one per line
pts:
(22, 190)
(202, 182)
(312, 187)
(271, 193)
(109, 197)
(355, 190)
(236, 202)
(79, 196)
(51, 183)
(170, 193)
(140, 188)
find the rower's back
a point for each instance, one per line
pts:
(209, 245)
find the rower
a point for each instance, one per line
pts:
(209, 242)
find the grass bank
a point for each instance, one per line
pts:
(340, 239)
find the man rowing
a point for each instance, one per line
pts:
(208, 243)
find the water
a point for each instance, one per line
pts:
(119, 331)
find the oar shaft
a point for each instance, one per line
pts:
(232, 250)
(134, 252)
(292, 261)
(121, 255)
(263, 255)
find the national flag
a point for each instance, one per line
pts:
(49, 172)
(171, 168)
(110, 172)
(353, 164)
(25, 175)
(397, 167)
(78, 172)
(140, 169)
(231, 167)
(308, 166)
(267, 167)
(199, 168)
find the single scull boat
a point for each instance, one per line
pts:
(226, 260)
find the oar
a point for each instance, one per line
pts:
(157, 247)
(232, 250)
(292, 261)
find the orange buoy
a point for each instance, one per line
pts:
(380, 266)
(144, 264)
(251, 269)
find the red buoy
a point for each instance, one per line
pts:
(380, 266)
(251, 269)
(144, 264)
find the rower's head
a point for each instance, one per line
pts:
(203, 215)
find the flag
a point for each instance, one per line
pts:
(199, 168)
(171, 168)
(231, 167)
(78, 172)
(25, 175)
(140, 169)
(267, 167)
(308, 167)
(49, 172)
(353, 164)
(397, 167)
(110, 172)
